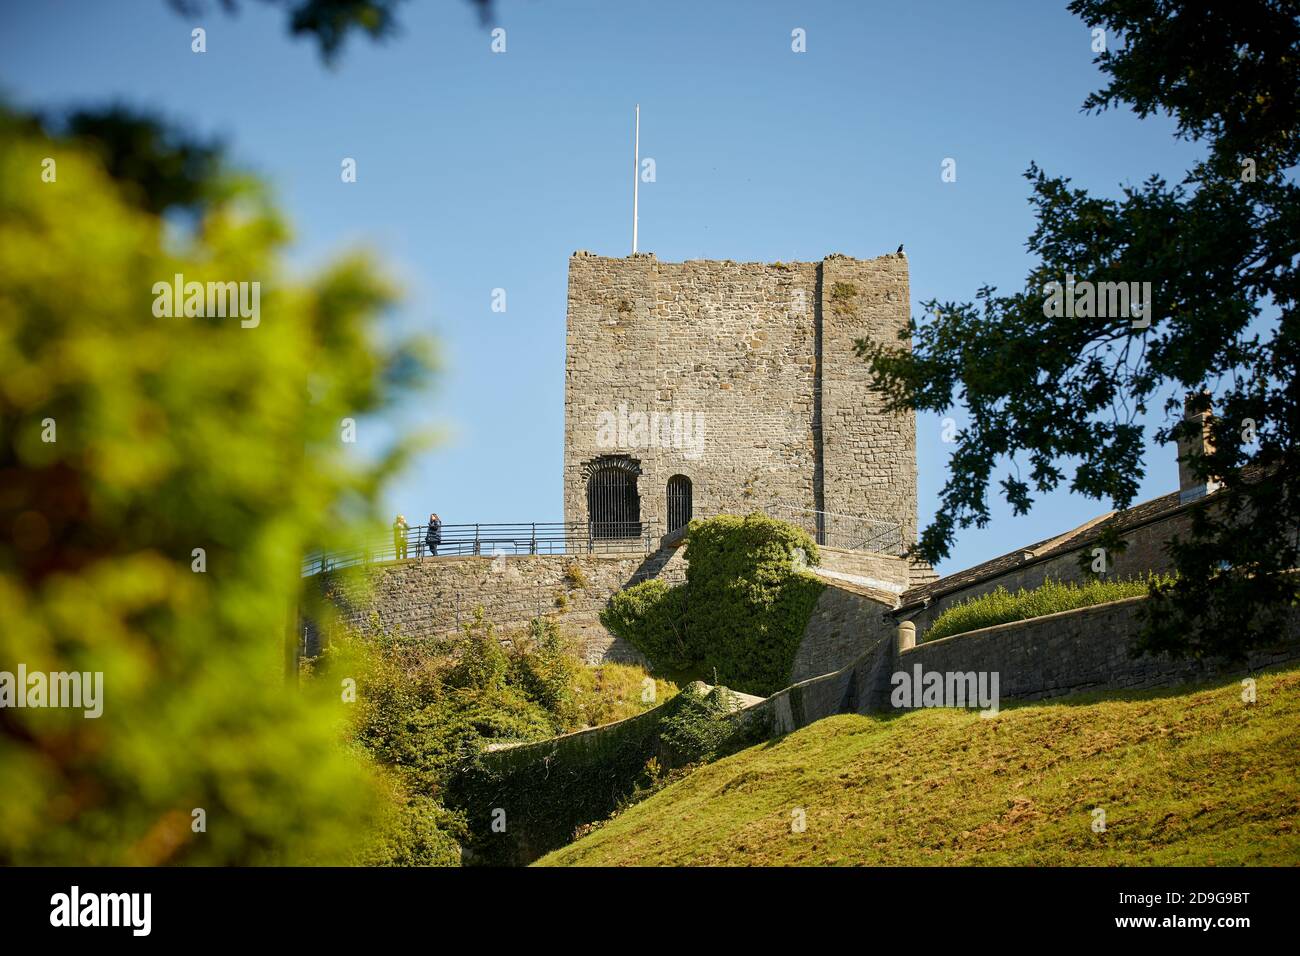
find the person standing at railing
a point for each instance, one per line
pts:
(400, 528)
(433, 537)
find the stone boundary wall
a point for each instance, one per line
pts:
(547, 788)
(585, 766)
(428, 598)
(850, 690)
(577, 772)
(802, 703)
(1085, 649)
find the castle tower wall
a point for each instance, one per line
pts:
(728, 353)
(868, 456)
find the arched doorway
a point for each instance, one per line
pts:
(613, 502)
(679, 502)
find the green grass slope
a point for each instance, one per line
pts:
(1186, 777)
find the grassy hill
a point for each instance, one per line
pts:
(1191, 776)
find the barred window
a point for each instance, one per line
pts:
(613, 503)
(679, 502)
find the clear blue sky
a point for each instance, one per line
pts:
(479, 170)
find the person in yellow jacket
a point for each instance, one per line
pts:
(399, 537)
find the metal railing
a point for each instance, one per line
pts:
(587, 537)
(850, 532)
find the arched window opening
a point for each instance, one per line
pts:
(613, 503)
(679, 502)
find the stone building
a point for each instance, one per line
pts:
(707, 387)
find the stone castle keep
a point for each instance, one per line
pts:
(704, 387)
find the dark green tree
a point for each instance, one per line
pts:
(1062, 396)
(158, 166)
(330, 22)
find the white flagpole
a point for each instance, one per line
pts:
(636, 175)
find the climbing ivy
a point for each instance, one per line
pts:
(741, 614)
(651, 616)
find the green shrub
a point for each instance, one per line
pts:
(420, 713)
(741, 614)
(1001, 606)
(544, 670)
(651, 617)
(575, 577)
(480, 661)
(706, 726)
(423, 712)
(747, 604)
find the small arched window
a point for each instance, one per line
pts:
(679, 502)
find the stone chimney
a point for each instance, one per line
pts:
(1189, 486)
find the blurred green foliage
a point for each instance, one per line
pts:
(156, 166)
(174, 434)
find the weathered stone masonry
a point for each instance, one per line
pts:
(1082, 650)
(764, 353)
(424, 599)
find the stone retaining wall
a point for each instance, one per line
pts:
(539, 792)
(880, 571)
(1075, 651)
(846, 622)
(1086, 649)
(426, 598)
